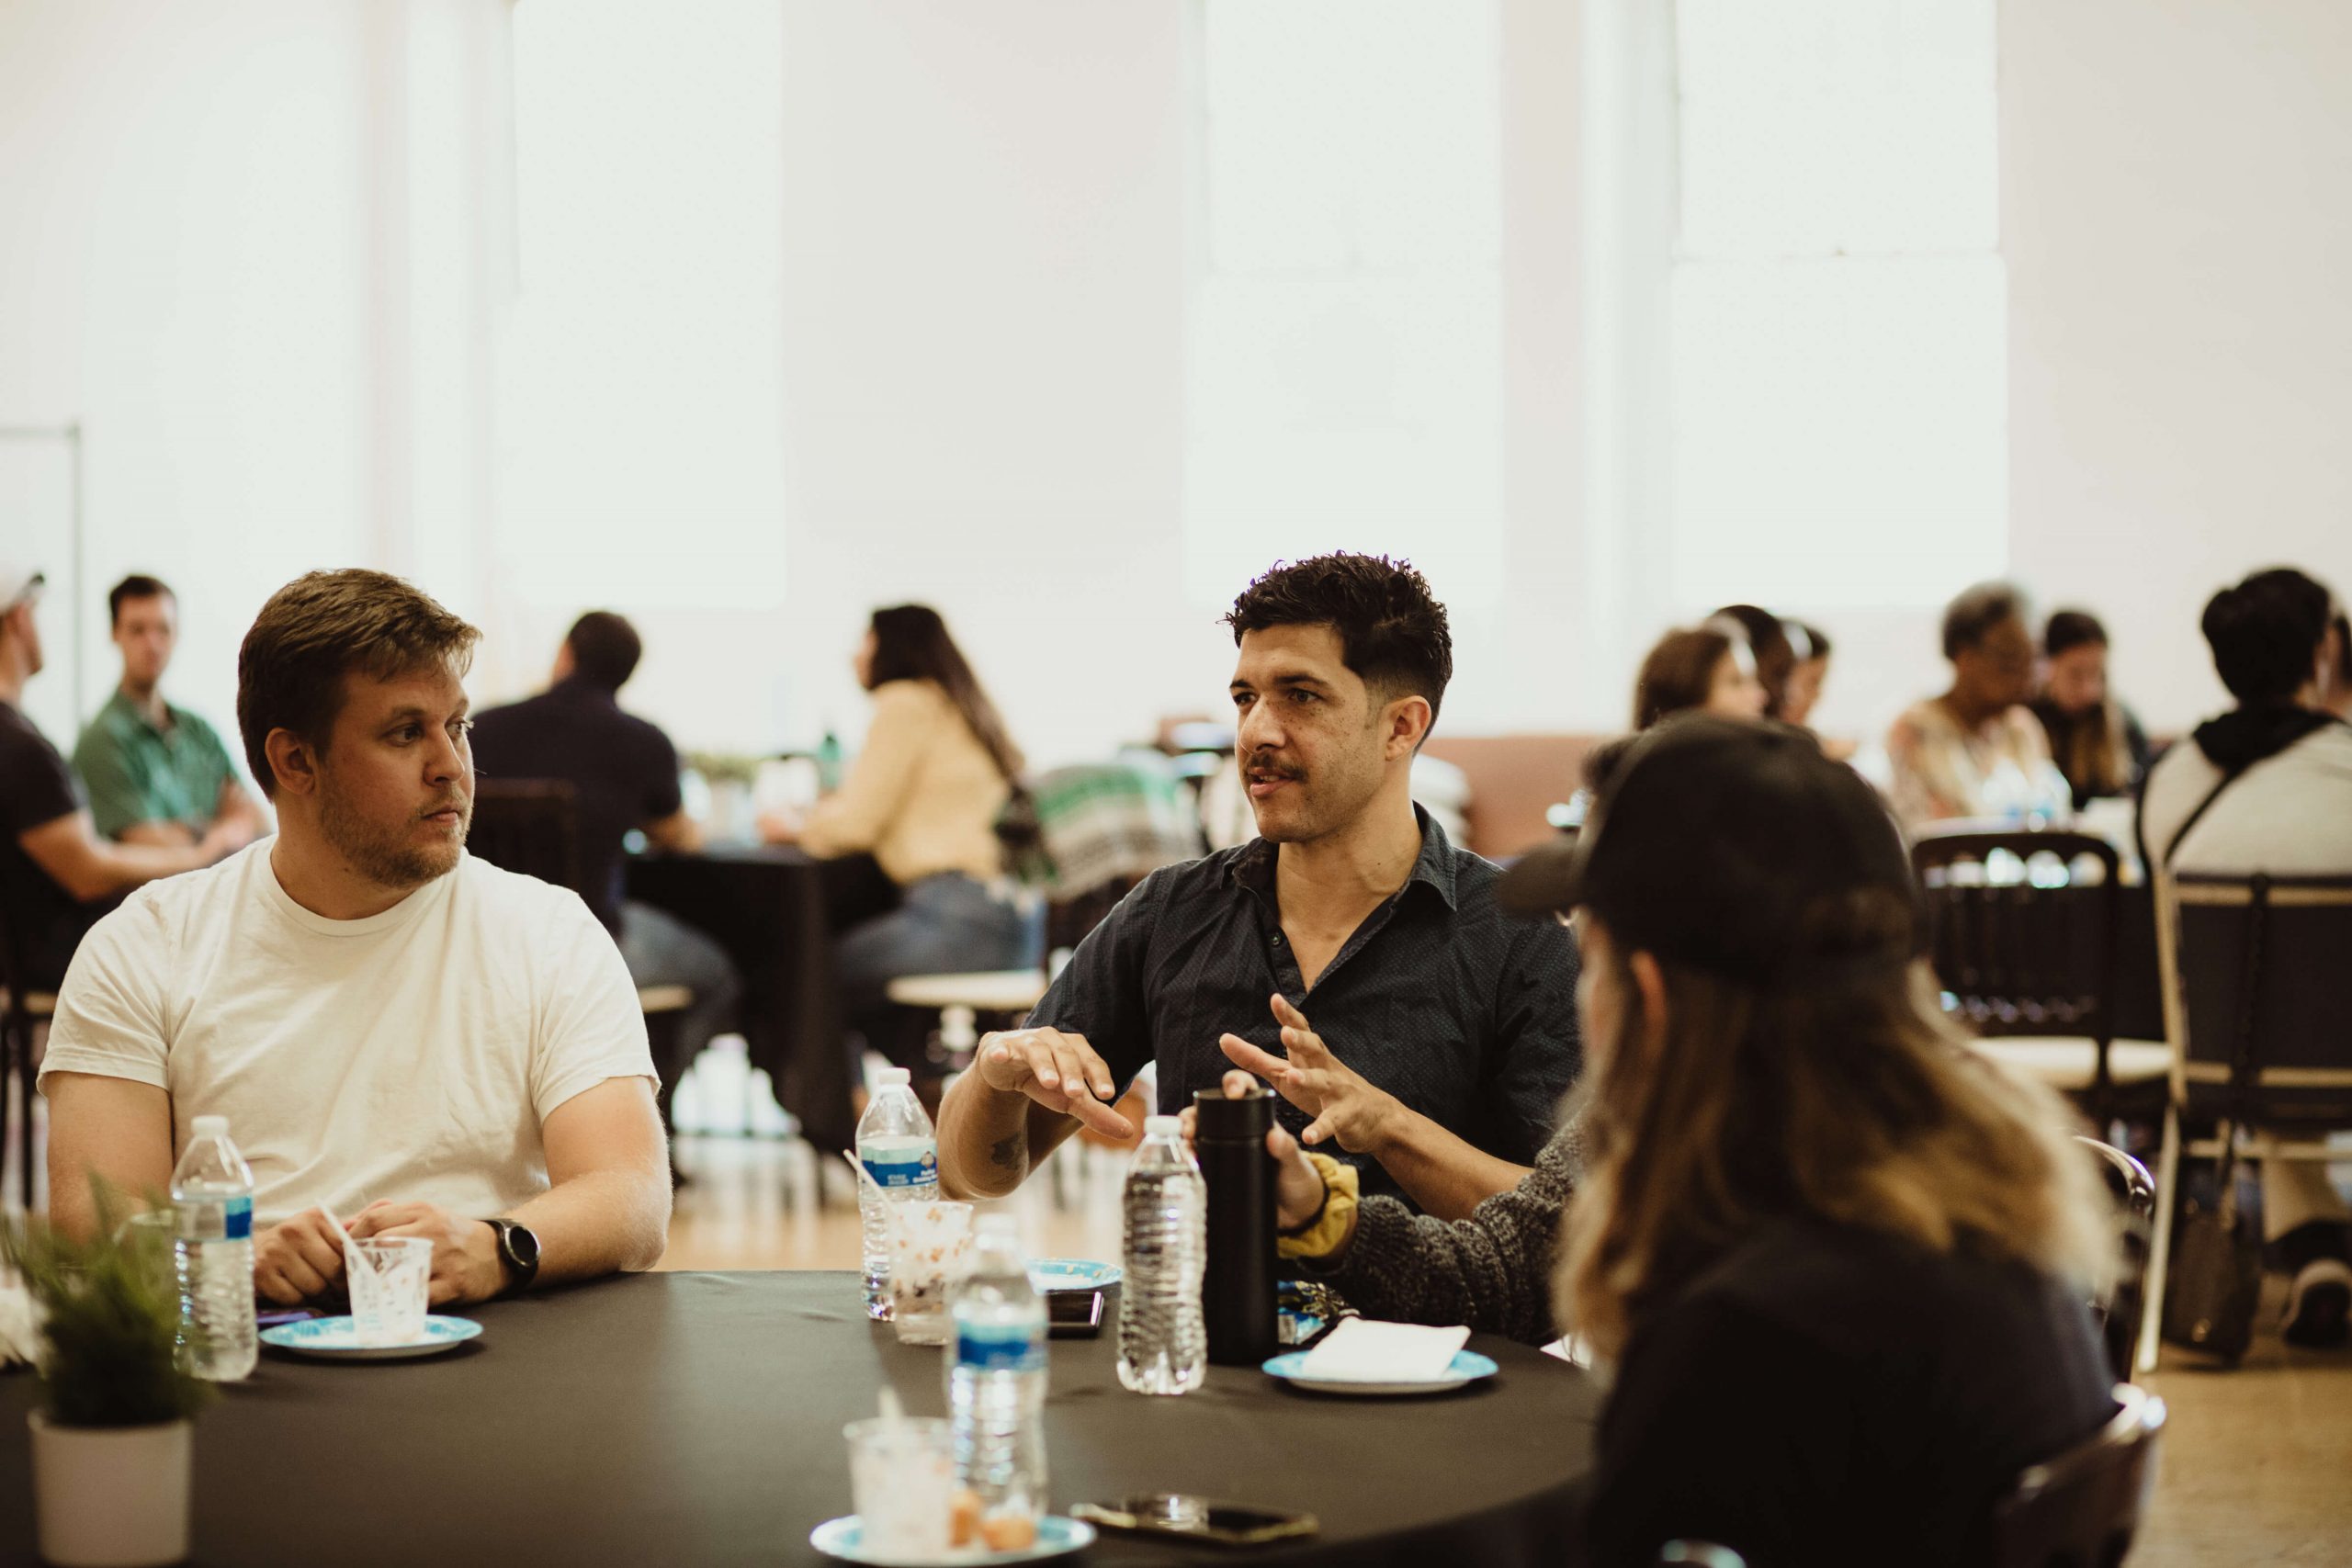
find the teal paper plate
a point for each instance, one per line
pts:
(337, 1340)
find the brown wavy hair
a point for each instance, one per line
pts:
(1854, 1102)
(1680, 671)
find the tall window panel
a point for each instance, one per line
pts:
(1839, 303)
(1345, 380)
(639, 396)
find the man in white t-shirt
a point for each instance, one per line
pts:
(414, 1039)
(2287, 809)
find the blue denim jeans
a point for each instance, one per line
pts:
(948, 924)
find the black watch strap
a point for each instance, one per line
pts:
(518, 1248)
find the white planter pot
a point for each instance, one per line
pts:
(111, 1497)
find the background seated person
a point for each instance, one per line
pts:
(57, 875)
(1976, 751)
(156, 774)
(917, 881)
(383, 1020)
(1704, 668)
(1803, 1218)
(2267, 786)
(2094, 739)
(1351, 907)
(624, 773)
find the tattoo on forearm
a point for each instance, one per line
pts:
(1010, 1151)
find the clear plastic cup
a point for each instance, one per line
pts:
(902, 1482)
(931, 1245)
(390, 1278)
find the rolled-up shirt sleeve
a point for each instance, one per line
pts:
(1099, 992)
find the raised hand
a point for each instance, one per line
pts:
(1345, 1105)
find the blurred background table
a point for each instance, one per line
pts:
(766, 907)
(696, 1418)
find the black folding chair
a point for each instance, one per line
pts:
(2082, 1509)
(2135, 1213)
(22, 1012)
(2033, 969)
(2257, 989)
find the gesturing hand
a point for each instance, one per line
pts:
(466, 1265)
(1298, 1186)
(1060, 1072)
(297, 1259)
(1344, 1104)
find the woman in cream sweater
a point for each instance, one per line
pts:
(921, 800)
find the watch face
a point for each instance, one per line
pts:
(522, 1246)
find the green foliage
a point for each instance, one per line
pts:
(723, 767)
(110, 1313)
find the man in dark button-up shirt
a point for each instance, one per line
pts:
(1443, 1032)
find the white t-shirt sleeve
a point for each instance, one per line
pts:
(112, 1019)
(591, 1027)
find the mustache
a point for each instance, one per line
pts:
(1264, 762)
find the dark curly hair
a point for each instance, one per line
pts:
(1392, 629)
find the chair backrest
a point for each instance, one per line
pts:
(531, 826)
(2082, 1508)
(2261, 965)
(2030, 951)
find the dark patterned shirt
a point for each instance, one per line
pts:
(1464, 1013)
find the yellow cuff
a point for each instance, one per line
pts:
(1341, 1186)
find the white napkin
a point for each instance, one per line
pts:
(20, 1324)
(1362, 1350)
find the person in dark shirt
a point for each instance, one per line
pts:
(57, 875)
(1443, 1035)
(625, 772)
(1840, 1261)
(2096, 740)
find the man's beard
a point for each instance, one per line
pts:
(388, 858)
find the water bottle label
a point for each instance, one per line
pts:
(905, 1168)
(1014, 1348)
(240, 1215)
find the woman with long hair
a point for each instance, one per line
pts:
(921, 801)
(2094, 739)
(1767, 640)
(1837, 1261)
(1700, 669)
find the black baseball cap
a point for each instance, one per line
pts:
(1737, 848)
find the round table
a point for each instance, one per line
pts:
(696, 1418)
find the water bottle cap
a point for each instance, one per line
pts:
(894, 1077)
(1161, 1126)
(210, 1127)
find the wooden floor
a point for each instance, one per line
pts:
(2257, 1461)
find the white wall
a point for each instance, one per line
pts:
(2178, 215)
(183, 224)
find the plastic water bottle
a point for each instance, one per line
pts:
(1163, 1340)
(899, 1149)
(212, 1194)
(996, 1381)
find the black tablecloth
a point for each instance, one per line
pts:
(696, 1418)
(766, 907)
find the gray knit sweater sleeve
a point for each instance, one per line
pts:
(1491, 1271)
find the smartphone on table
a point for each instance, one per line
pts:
(1073, 1314)
(1198, 1518)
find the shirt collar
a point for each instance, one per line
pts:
(121, 708)
(1253, 866)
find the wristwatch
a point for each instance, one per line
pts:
(519, 1249)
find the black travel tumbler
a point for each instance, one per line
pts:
(1238, 1296)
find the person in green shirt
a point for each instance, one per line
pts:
(156, 774)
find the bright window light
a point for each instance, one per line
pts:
(639, 400)
(1345, 340)
(1839, 304)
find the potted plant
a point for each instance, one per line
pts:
(111, 1439)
